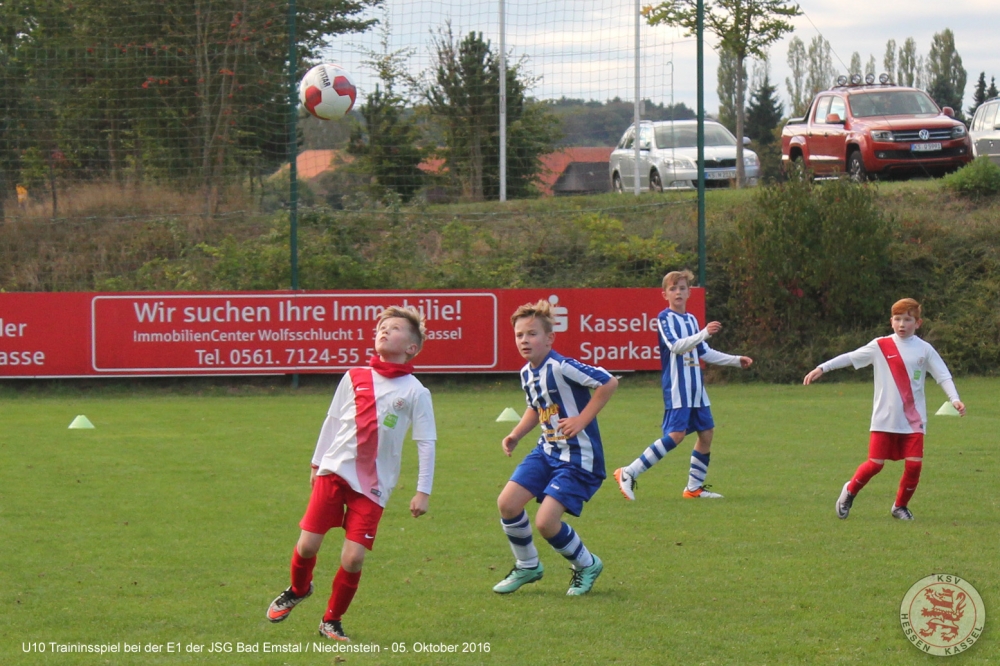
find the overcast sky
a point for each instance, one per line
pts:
(585, 48)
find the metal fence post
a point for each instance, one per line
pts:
(503, 103)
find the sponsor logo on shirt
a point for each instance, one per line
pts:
(376, 492)
(546, 413)
(390, 420)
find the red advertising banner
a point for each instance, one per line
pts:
(155, 334)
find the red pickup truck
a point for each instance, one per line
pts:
(877, 129)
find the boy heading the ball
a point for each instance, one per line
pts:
(566, 468)
(356, 463)
(686, 407)
(901, 362)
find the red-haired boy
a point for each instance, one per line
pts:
(901, 362)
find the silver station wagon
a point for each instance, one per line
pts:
(668, 152)
(985, 130)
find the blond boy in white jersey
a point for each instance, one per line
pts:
(901, 362)
(356, 463)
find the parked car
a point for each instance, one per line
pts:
(985, 130)
(668, 154)
(879, 129)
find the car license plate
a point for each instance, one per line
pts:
(924, 147)
(720, 175)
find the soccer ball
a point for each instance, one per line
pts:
(327, 91)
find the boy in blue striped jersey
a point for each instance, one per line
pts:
(686, 406)
(566, 468)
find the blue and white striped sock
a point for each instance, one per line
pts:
(518, 531)
(569, 545)
(699, 470)
(653, 454)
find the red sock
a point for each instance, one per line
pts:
(866, 471)
(345, 584)
(908, 484)
(302, 572)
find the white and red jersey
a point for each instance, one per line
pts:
(901, 365)
(362, 436)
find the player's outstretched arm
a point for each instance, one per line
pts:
(574, 425)
(419, 504)
(524, 426)
(745, 362)
(812, 376)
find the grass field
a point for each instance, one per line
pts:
(171, 524)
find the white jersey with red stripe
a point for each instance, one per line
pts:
(362, 436)
(919, 359)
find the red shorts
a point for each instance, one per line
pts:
(334, 503)
(895, 445)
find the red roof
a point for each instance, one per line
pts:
(553, 164)
(312, 163)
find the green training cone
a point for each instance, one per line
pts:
(80, 421)
(947, 409)
(508, 415)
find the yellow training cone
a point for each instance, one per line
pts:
(80, 421)
(947, 409)
(508, 415)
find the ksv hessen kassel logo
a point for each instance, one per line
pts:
(942, 615)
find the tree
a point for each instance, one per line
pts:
(744, 28)
(821, 70)
(15, 32)
(907, 73)
(388, 146)
(190, 91)
(797, 64)
(870, 66)
(922, 76)
(463, 97)
(978, 94)
(764, 113)
(947, 76)
(593, 123)
(992, 92)
(855, 67)
(727, 88)
(889, 59)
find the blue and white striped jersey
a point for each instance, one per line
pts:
(560, 388)
(682, 346)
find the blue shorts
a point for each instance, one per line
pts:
(687, 420)
(568, 484)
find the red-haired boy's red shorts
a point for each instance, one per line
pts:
(334, 503)
(895, 445)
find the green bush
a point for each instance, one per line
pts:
(805, 256)
(979, 178)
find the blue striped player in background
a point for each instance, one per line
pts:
(566, 468)
(686, 408)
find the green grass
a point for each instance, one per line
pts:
(175, 518)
